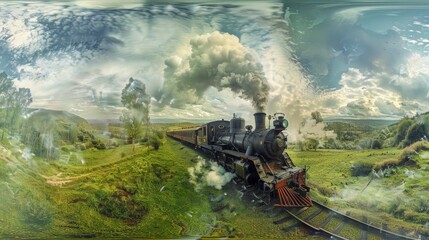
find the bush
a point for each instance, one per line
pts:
(403, 126)
(121, 204)
(415, 133)
(155, 141)
(409, 152)
(391, 162)
(311, 144)
(326, 191)
(160, 134)
(333, 144)
(68, 148)
(405, 158)
(376, 144)
(360, 169)
(36, 213)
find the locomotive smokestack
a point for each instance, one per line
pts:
(260, 121)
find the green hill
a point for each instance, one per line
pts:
(46, 132)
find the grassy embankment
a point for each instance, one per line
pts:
(115, 193)
(395, 196)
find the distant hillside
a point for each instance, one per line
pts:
(374, 123)
(40, 114)
(45, 132)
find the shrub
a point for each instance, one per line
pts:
(360, 169)
(155, 141)
(385, 164)
(415, 133)
(36, 213)
(68, 148)
(405, 158)
(121, 204)
(403, 126)
(326, 191)
(376, 144)
(311, 143)
(160, 134)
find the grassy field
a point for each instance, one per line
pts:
(396, 196)
(121, 192)
(146, 193)
(116, 192)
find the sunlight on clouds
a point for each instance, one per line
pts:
(87, 50)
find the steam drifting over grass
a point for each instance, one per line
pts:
(206, 173)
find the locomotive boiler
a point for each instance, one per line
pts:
(257, 156)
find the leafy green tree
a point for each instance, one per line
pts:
(317, 116)
(13, 101)
(311, 144)
(132, 124)
(137, 102)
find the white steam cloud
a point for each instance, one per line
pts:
(316, 130)
(211, 174)
(216, 60)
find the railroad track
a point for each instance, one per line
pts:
(324, 221)
(330, 223)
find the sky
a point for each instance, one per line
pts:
(208, 60)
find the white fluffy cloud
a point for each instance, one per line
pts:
(79, 57)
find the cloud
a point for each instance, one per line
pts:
(358, 108)
(214, 60)
(380, 95)
(76, 57)
(328, 49)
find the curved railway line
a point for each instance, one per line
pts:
(327, 222)
(331, 223)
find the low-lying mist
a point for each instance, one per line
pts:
(207, 173)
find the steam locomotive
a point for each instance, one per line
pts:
(257, 156)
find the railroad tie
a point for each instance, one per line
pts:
(364, 232)
(313, 215)
(331, 214)
(341, 225)
(282, 220)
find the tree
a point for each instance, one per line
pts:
(311, 143)
(6, 92)
(132, 124)
(416, 132)
(317, 116)
(13, 101)
(137, 102)
(376, 144)
(404, 124)
(21, 100)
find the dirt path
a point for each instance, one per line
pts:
(59, 181)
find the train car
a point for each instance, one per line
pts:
(257, 156)
(188, 135)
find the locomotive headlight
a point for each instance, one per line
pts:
(285, 123)
(280, 123)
